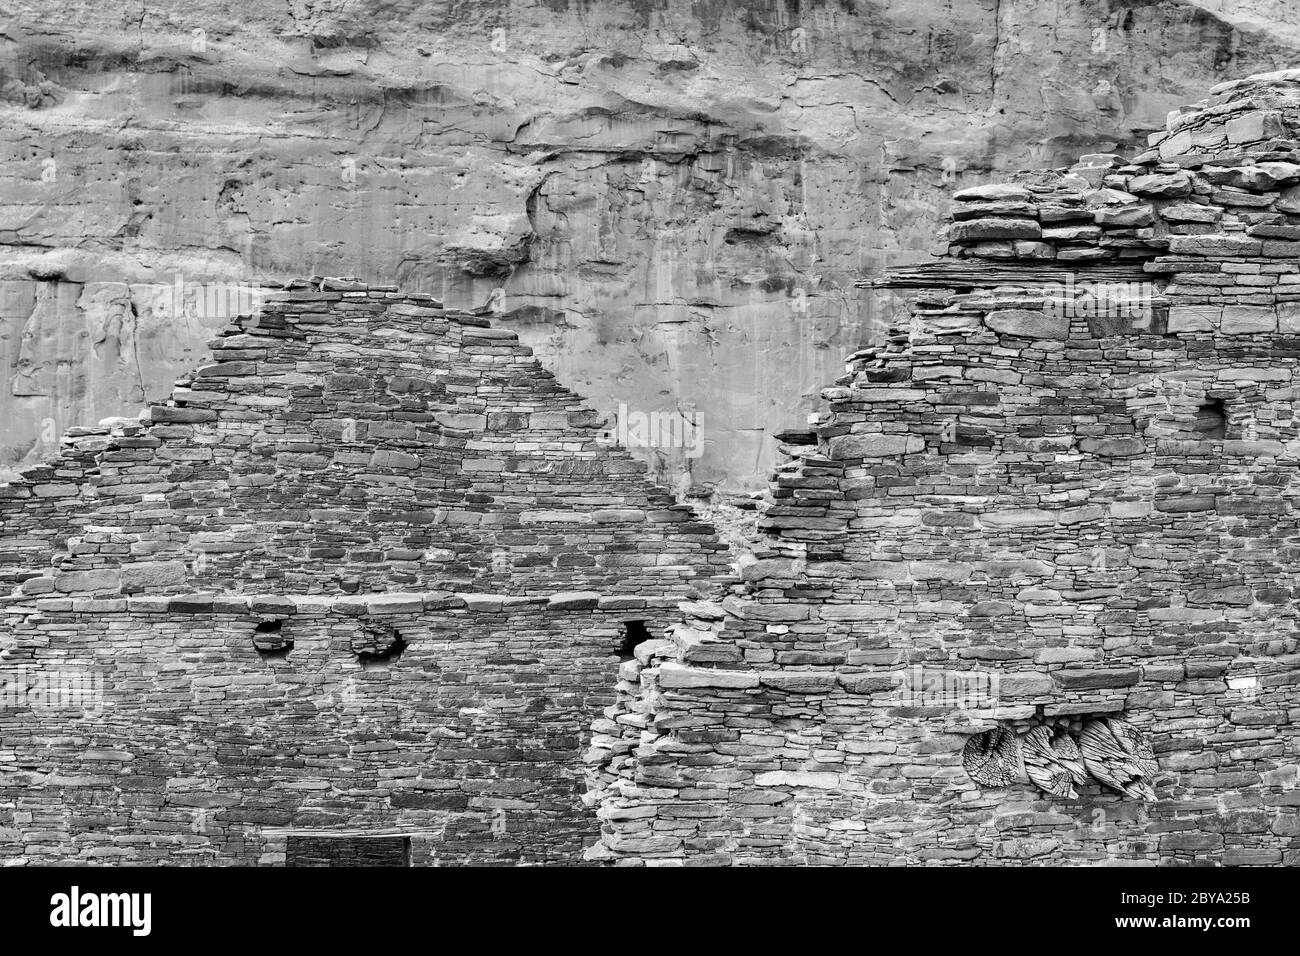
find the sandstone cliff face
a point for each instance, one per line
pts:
(674, 199)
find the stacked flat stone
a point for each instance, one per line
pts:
(1223, 179)
(1025, 508)
(1091, 213)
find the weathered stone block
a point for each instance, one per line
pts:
(1245, 319)
(870, 683)
(993, 192)
(1088, 678)
(573, 600)
(1254, 126)
(166, 413)
(679, 676)
(146, 575)
(795, 778)
(874, 446)
(1194, 318)
(1028, 323)
(1162, 185)
(1017, 518)
(992, 609)
(939, 571)
(1124, 217)
(394, 459)
(856, 612)
(1022, 684)
(106, 579)
(464, 421)
(1112, 447)
(798, 683)
(1215, 246)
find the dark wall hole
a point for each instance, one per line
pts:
(634, 633)
(271, 640)
(1211, 420)
(377, 645)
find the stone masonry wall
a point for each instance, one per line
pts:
(368, 574)
(1065, 492)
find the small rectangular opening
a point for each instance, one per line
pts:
(1211, 422)
(322, 850)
